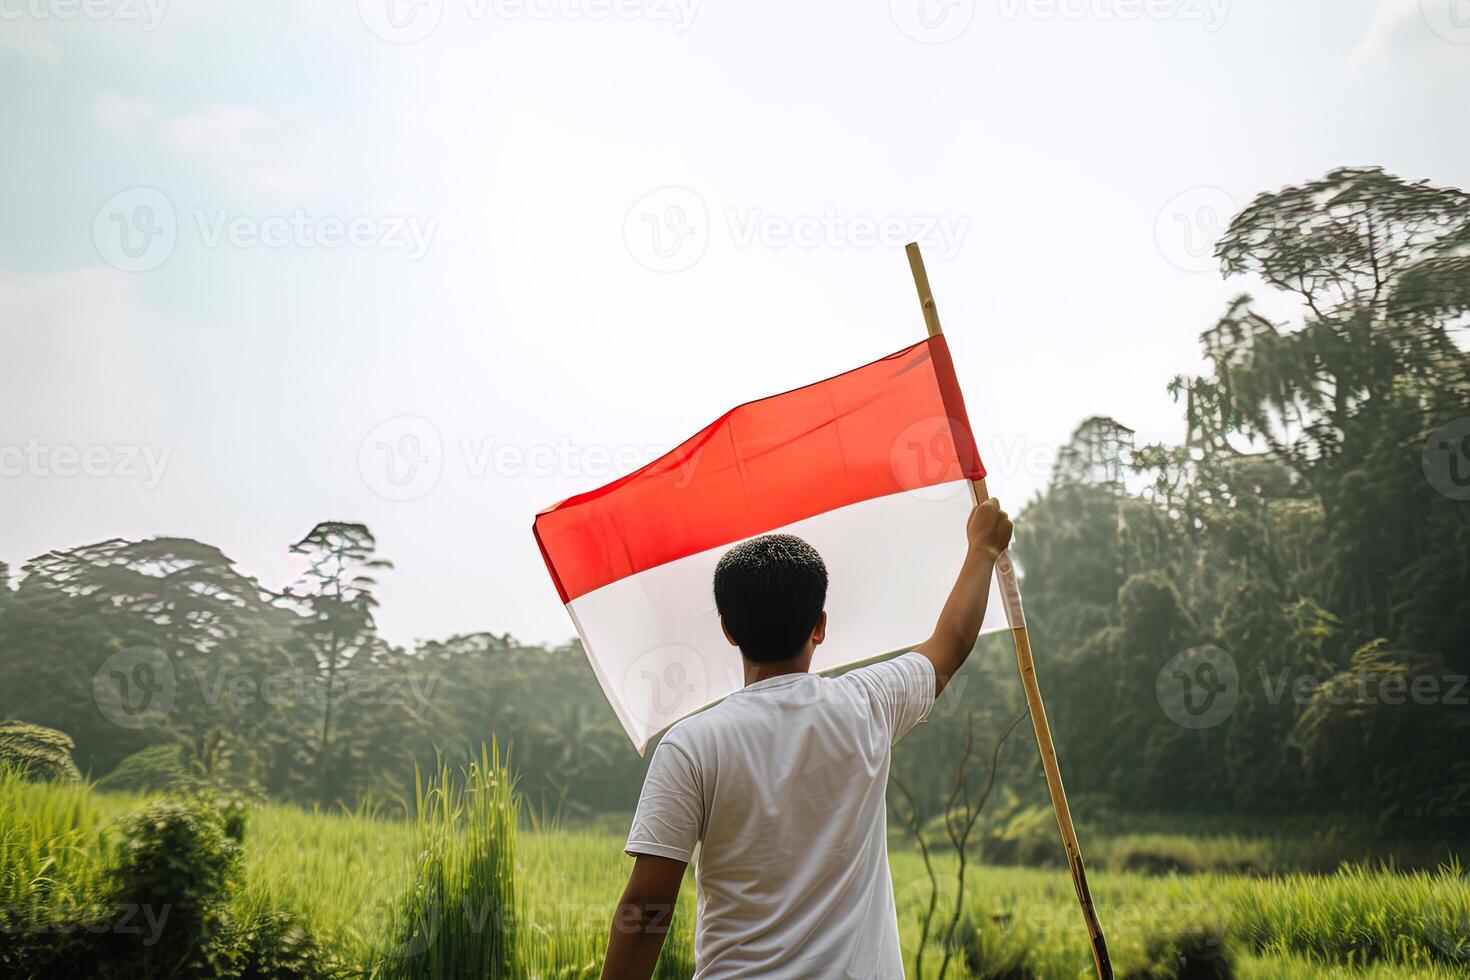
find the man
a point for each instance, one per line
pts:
(782, 783)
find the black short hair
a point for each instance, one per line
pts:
(770, 591)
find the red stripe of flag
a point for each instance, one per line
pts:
(896, 424)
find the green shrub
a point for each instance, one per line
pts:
(1158, 856)
(1161, 854)
(1196, 950)
(1028, 837)
(162, 909)
(989, 954)
(159, 910)
(38, 753)
(151, 770)
(177, 861)
(276, 946)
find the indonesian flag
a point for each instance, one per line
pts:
(871, 467)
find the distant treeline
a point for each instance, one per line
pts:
(1272, 616)
(165, 663)
(1280, 619)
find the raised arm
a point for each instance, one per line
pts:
(989, 532)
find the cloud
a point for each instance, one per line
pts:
(1419, 32)
(51, 301)
(258, 148)
(29, 39)
(269, 151)
(93, 320)
(118, 113)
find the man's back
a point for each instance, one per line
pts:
(783, 784)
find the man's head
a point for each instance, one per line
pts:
(770, 592)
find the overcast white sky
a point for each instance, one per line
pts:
(434, 264)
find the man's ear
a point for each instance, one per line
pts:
(726, 630)
(819, 632)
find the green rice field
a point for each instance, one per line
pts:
(356, 882)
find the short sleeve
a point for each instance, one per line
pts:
(900, 691)
(670, 816)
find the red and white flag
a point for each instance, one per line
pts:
(871, 467)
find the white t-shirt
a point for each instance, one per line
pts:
(783, 785)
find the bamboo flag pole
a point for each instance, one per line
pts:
(1005, 573)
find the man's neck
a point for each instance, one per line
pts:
(761, 672)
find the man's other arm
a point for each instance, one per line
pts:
(642, 918)
(989, 532)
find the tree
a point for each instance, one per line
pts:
(177, 603)
(1294, 528)
(339, 631)
(1345, 399)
